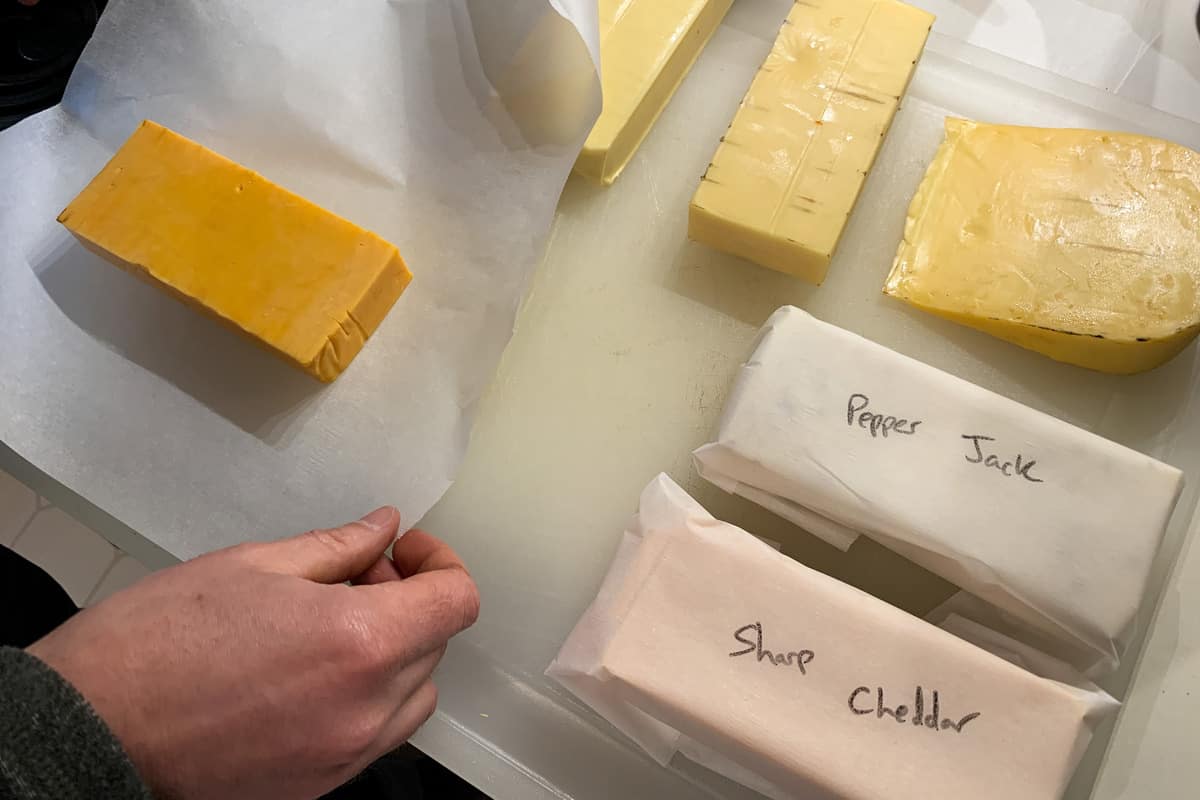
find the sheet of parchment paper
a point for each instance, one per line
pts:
(1098, 42)
(1146, 50)
(446, 126)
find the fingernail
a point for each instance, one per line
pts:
(379, 517)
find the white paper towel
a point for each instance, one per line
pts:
(446, 126)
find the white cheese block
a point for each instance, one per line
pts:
(1052, 524)
(705, 641)
(646, 50)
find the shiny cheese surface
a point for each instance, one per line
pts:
(1081, 245)
(646, 48)
(302, 282)
(789, 170)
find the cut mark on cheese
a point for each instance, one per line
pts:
(809, 128)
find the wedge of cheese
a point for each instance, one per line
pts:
(646, 48)
(298, 280)
(706, 641)
(1080, 245)
(789, 170)
(1049, 523)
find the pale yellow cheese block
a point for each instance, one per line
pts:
(1081, 245)
(646, 48)
(298, 280)
(786, 176)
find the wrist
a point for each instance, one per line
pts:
(99, 694)
(52, 741)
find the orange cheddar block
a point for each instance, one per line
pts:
(301, 281)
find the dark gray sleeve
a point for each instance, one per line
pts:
(53, 746)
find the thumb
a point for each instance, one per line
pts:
(334, 555)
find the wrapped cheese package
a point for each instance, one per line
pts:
(706, 642)
(1052, 525)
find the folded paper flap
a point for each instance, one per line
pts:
(584, 647)
(831, 532)
(900, 451)
(658, 740)
(579, 663)
(1097, 704)
(1088, 652)
(723, 765)
(779, 669)
(1030, 659)
(1053, 642)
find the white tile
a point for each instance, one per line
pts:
(17, 502)
(126, 572)
(74, 554)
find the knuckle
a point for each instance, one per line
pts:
(361, 647)
(246, 552)
(332, 539)
(355, 737)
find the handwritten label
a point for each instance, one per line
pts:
(878, 424)
(800, 658)
(860, 704)
(1012, 469)
(979, 450)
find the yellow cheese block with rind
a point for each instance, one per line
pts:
(1080, 245)
(299, 280)
(786, 176)
(646, 49)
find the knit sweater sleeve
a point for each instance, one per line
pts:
(53, 746)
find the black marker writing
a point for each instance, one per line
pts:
(1010, 468)
(860, 702)
(932, 721)
(877, 424)
(801, 658)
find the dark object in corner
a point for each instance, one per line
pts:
(31, 602)
(39, 45)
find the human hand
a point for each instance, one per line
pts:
(254, 672)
